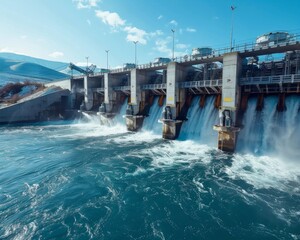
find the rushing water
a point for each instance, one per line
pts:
(80, 180)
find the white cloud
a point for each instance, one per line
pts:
(191, 29)
(86, 3)
(173, 22)
(159, 17)
(88, 22)
(156, 33)
(23, 36)
(93, 3)
(135, 34)
(114, 20)
(56, 54)
(110, 18)
(162, 46)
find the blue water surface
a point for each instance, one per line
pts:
(80, 180)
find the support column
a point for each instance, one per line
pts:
(171, 126)
(88, 95)
(106, 108)
(227, 129)
(73, 92)
(134, 118)
(108, 91)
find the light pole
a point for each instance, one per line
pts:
(107, 58)
(231, 33)
(87, 63)
(173, 31)
(135, 42)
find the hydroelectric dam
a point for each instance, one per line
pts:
(223, 80)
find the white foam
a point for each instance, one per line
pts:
(264, 171)
(176, 152)
(137, 172)
(138, 137)
(56, 182)
(31, 189)
(199, 185)
(89, 129)
(156, 232)
(25, 232)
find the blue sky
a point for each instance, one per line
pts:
(71, 30)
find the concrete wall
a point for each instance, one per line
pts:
(231, 71)
(65, 84)
(175, 73)
(30, 110)
(88, 94)
(138, 78)
(171, 85)
(109, 82)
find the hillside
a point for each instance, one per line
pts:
(57, 66)
(15, 71)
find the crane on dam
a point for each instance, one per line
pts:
(89, 70)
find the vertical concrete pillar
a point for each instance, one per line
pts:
(205, 71)
(106, 108)
(230, 88)
(133, 121)
(88, 95)
(227, 130)
(73, 92)
(138, 78)
(171, 126)
(109, 96)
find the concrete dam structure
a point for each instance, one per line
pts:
(48, 104)
(231, 76)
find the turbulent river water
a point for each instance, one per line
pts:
(81, 180)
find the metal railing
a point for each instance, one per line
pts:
(99, 90)
(279, 79)
(154, 86)
(242, 48)
(121, 88)
(203, 83)
(151, 65)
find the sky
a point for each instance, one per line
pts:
(81, 31)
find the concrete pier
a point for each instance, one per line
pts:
(174, 102)
(134, 116)
(106, 110)
(134, 122)
(109, 95)
(227, 131)
(88, 95)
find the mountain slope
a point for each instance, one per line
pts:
(14, 71)
(57, 66)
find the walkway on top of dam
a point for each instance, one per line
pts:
(245, 50)
(209, 86)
